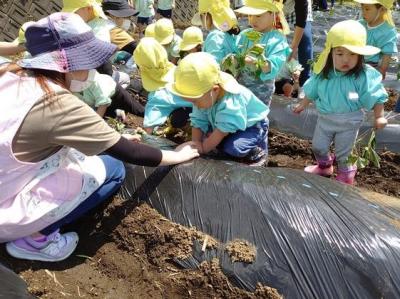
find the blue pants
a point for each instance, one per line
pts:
(239, 144)
(115, 175)
(397, 108)
(305, 53)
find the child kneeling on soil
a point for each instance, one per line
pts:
(381, 32)
(226, 115)
(265, 17)
(342, 87)
(156, 71)
(287, 81)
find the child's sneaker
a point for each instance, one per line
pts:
(54, 247)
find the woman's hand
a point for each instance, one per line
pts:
(134, 138)
(380, 122)
(182, 153)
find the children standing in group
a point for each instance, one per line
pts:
(164, 33)
(226, 115)
(381, 32)
(341, 87)
(266, 17)
(156, 71)
(220, 20)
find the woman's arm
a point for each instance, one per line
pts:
(301, 12)
(145, 155)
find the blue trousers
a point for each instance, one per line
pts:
(115, 175)
(240, 143)
(305, 53)
(397, 108)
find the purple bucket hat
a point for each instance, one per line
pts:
(63, 42)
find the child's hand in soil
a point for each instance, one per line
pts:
(380, 122)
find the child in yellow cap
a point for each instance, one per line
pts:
(265, 17)
(226, 115)
(164, 33)
(342, 87)
(156, 71)
(221, 22)
(381, 32)
(192, 41)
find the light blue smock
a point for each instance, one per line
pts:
(276, 50)
(342, 93)
(231, 113)
(160, 104)
(219, 44)
(383, 37)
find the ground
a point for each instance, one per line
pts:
(127, 252)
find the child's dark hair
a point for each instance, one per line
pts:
(354, 71)
(234, 30)
(182, 54)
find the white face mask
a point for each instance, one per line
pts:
(126, 24)
(78, 86)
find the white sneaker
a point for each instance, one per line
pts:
(55, 247)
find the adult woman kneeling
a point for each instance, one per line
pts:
(50, 174)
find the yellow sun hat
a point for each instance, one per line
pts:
(152, 59)
(197, 73)
(348, 34)
(224, 18)
(204, 6)
(149, 31)
(259, 7)
(192, 36)
(164, 31)
(388, 4)
(74, 5)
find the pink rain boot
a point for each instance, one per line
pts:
(323, 168)
(347, 175)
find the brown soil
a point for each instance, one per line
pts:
(126, 252)
(392, 100)
(241, 251)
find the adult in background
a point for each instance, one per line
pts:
(298, 13)
(58, 158)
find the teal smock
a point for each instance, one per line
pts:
(99, 93)
(231, 113)
(342, 93)
(276, 50)
(173, 47)
(219, 44)
(383, 37)
(160, 104)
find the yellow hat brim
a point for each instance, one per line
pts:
(365, 50)
(188, 46)
(228, 83)
(166, 40)
(246, 10)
